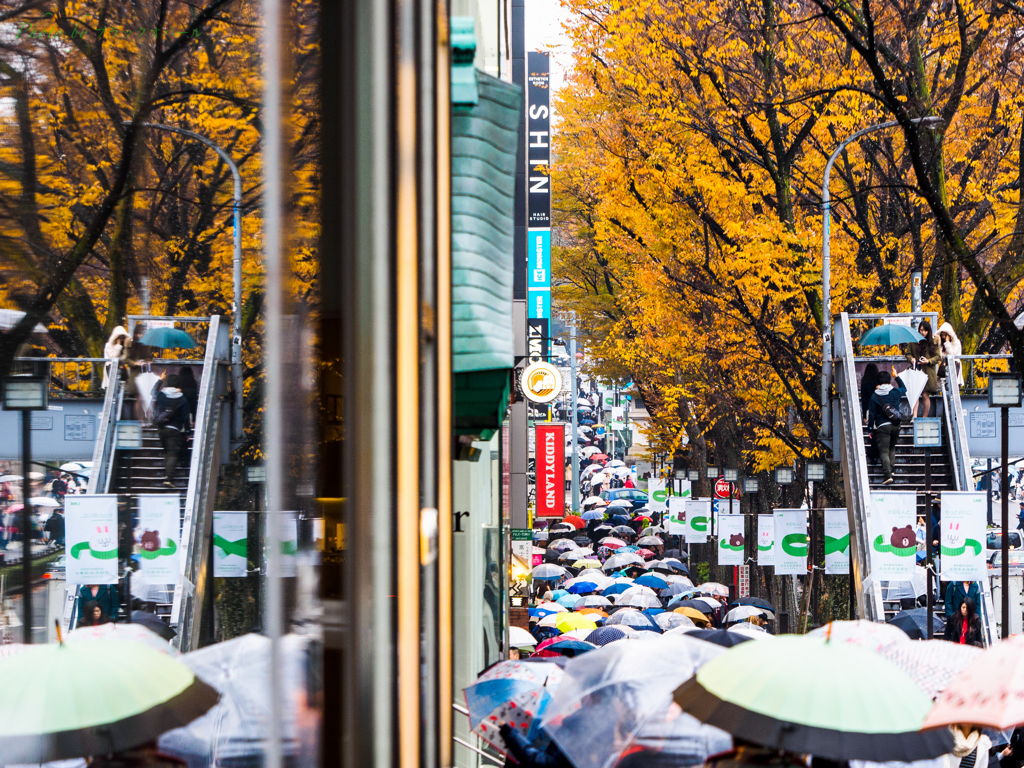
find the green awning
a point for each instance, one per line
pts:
(480, 401)
(484, 144)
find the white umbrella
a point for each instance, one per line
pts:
(577, 634)
(621, 503)
(750, 630)
(43, 501)
(742, 613)
(639, 589)
(9, 478)
(520, 638)
(71, 466)
(622, 471)
(616, 463)
(590, 450)
(588, 471)
(915, 381)
(709, 601)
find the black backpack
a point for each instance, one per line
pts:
(897, 414)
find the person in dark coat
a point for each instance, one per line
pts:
(884, 431)
(104, 595)
(926, 356)
(55, 527)
(530, 756)
(965, 626)
(955, 594)
(171, 416)
(92, 615)
(190, 389)
(868, 382)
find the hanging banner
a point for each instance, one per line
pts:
(837, 542)
(657, 495)
(676, 518)
(607, 400)
(157, 536)
(722, 507)
(550, 454)
(962, 537)
(522, 545)
(90, 543)
(289, 533)
(893, 540)
(698, 514)
(790, 542)
(683, 489)
(731, 542)
(230, 544)
(766, 540)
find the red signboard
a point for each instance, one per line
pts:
(722, 488)
(550, 454)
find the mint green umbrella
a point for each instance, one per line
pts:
(93, 697)
(811, 696)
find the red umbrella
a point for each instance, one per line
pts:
(599, 457)
(646, 554)
(575, 521)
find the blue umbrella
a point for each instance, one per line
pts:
(167, 338)
(605, 635)
(568, 601)
(675, 601)
(525, 684)
(652, 581)
(548, 572)
(540, 613)
(583, 587)
(615, 589)
(889, 336)
(559, 593)
(592, 514)
(652, 612)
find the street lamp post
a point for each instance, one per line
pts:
(826, 272)
(574, 405)
(26, 394)
(1004, 392)
(236, 269)
(928, 435)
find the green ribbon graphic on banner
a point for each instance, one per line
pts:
(956, 551)
(700, 523)
(795, 544)
(152, 554)
(726, 545)
(106, 554)
(765, 547)
(832, 544)
(230, 547)
(288, 548)
(880, 546)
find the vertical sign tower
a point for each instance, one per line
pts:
(538, 205)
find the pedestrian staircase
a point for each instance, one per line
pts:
(130, 472)
(949, 465)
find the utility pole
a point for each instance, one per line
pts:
(573, 404)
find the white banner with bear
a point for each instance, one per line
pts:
(157, 536)
(731, 544)
(893, 541)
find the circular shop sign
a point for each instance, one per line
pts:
(541, 383)
(723, 488)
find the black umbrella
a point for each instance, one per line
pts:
(681, 556)
(153, 622)
(757, 602)
(722, 637)
(915, 623)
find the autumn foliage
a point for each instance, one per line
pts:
(690, 152)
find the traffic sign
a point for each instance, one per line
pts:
(723, 488)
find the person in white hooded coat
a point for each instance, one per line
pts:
(951, 348)
(116, 348)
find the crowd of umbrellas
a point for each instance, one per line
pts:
(851, 690)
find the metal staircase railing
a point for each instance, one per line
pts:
(197, 525)
(106, 432)
(855, 473)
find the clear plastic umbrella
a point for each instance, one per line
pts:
(915, 381)
(234, 731)
(622, 699)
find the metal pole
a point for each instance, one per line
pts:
(928, 535)
(988, 482)
(1004, 501)
(26, 527)
(236, 270)
(573, 404)
(826, 273)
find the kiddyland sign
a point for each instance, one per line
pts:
(550, 470)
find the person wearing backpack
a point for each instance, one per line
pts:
(170, 417)
(884, 420)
